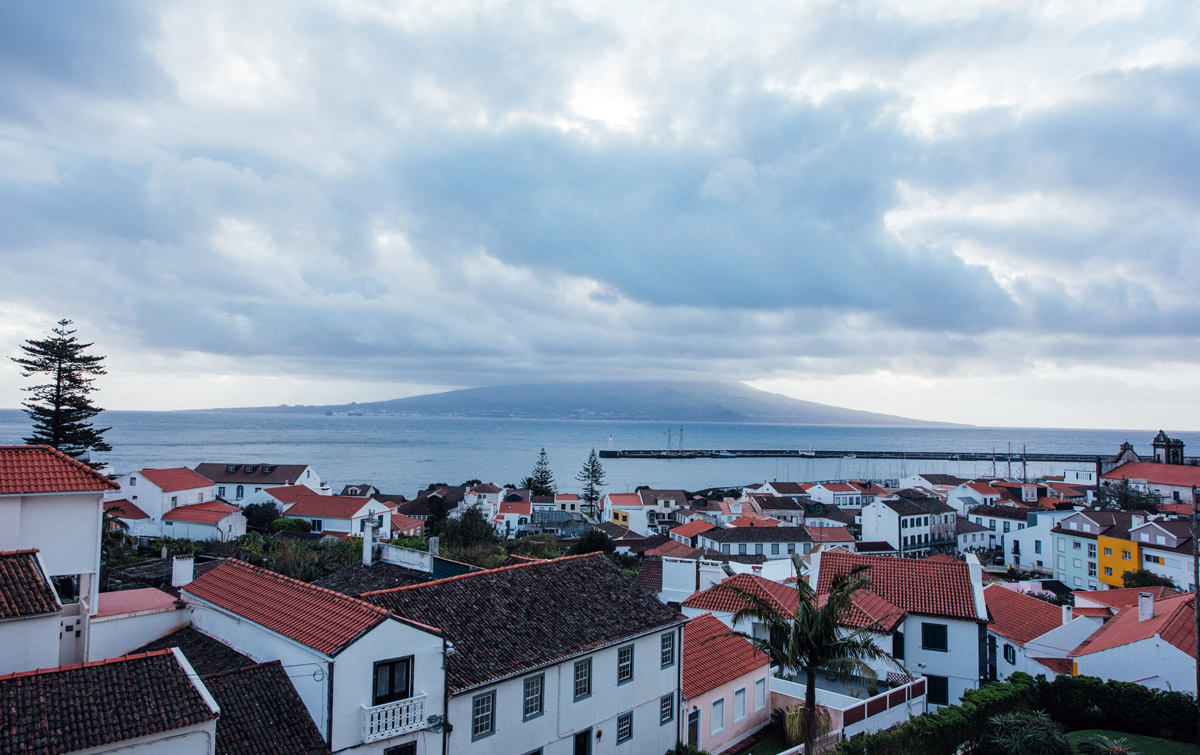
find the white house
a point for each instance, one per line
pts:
(726, 695)
(1151, 643)
(1173, 482)
(911, 523)
(282, 496)
(1166, 550)
(212, 520)
(843, 494)
(157, 491)
(627, 510)
(1076, 560)
(512, 517)
(1030, 635)
(371, 681)
(174, 502)
(566, 655)
(1001, 520)
(30, 613)
(236, 481)
(341, 515)
(772, 542)
(971, 494)
(1031, 547)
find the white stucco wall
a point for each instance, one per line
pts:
(959, 664)
(29, 643)
(1152, 663)
(112, 636)
(65, 527)
(200, 739)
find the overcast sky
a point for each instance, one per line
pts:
(982, 212)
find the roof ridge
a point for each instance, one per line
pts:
(64, 457)
(238, 563)
(85, 664)
(250, 667)
(443, 580)
(19, 552)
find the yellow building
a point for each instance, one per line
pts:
(1116, 556)
(621, 517)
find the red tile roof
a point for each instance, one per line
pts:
(288, 494)
(1017, 616)
(402, 523)
(209, 512)
(1102, 612)
(755, 520)
(839, 487)
(829, 534)
(1180, 475)
(693, 528)
(869, 610)
(712, 657)
(126, 509)
(624, 499)
(322, 619)
(1123, 597)
(1173, 621)
(933, 588)
(175, 478)
(130, 601)
(1062, 666)
(327, 506)
(721, 598)
(25, 590)
(983, 488)
(518, 508)
(672, 549)
(41, 469)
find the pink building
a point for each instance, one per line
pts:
(726, 693)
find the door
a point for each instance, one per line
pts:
(583, 742)
(693, 731)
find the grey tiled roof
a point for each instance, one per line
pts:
(261, 713)
(207, 655)
(508, 620)
(24, 589)
(356, 579)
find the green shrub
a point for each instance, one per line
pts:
(294, 525)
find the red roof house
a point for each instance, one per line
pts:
(175, 479)
(41, 469)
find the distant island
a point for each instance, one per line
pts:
(681, 401)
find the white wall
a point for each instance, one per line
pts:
(959, 664)
(112, 636)
(1152, 663)
(200, 739)
(564, 716)
(229, 528)
(65, 527)
(29, 643)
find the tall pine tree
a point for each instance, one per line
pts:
(592, 477)
(60, 406)
(541, 482)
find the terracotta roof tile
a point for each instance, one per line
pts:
(649, 577)
(329, 506)
(402, 523)
(322, 619)
(126, 509)
(830, 534)
(1173, 621)
(261, 713)
(288, 494)
(25, 590)
(509, 620)
(624, 499)
(869, 610)
(1017, 616)
(209, 512)
(1181, 475)
(672, 549)
(90, 705)
(41, 469)
(1062, 666)
(721, 598)
(517, 508)
(1123, 597)
(175, 478)
(130, 601)
(933, 588)
(712, 657)
(755, 520)
(1102, 612)
(693, 528)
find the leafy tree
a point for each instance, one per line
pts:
(61, 407)
(541, 482)
(593, 541)
(294, 525)
(415, 543)
(436, 519)
(543, 545)
(472, 483)
(1146, 578)
(468, 530)
(1026, 732)
(812, 639)
(1126, 497)
(592, 477)
(1099, 744)
(261, 516)
(434, 486)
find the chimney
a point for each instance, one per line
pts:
(368, 542)
(182, 570)
(1145, 606)
(1068, 613)
(433, 546)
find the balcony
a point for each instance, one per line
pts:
(392, 719)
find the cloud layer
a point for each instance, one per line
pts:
(456, 194)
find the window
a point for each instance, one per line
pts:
(725, 549)
(774, 549)
(718, 717)
(241, 492)
(1077, 563)
(624, 727)
(221, 490)
(1037, 546)
(1153, 559)
(483, 718)
(739, 705)
(666, 709)
(668, 650)
(230, 469)
(742, 549)
(1108, 551)
(533, 697)
(1010, 654)
(1091, 568)
(1108, 571)
(1007, 526)
(791, 548)
(174, 501)
(760, 694)
(992, 525)
(393, 680)
(1062, 562)
(1125, 555)
(758, 549)
(317, 524)
(409, 748)
(132, 481)
(937, 690)
(933, 636)
(583, 679)
(1091, 550)
(624, 664)
(1075, 545)
(1062, 545)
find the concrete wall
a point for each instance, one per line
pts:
(112, 636)
(29, 643)
(65, 527)
(1152, 663)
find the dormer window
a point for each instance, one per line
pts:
(250, 468)
(268, 469)
(231, 468)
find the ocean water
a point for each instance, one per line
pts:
(404, 454)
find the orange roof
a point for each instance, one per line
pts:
(869, 610)
(324, 620)
(126, 509)
(209, 512)
(983, 488)
(1123, 597)
(925, 586)
(720, 598)
(1180, 475)
(41, 469)
(672, 549)
(712, 656)
(129, 601)
(693, 528)
(624, 499)
(1100, 612)
(288, 494)
(175, 478)
(755, 520)
(1173, 621)
(1017, 616)
(566, 497)
(829, 534)
(404, 523)
(1063, 666)
(519, 508)
(327, 506)
(839, 487)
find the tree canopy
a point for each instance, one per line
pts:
(1126, 497)
(541, 482)
(592, 477)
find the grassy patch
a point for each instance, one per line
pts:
(768, 741)
(1144, 745)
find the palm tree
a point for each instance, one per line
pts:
(1099, 744)
(813, 639)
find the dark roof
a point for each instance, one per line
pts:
(650, 496)
(649, 576)
(943, 479)
(356, 579)
(782, 502)
(279, 474)
(390, 498)
(25, 590)
(818, 510)
(758, 535)
(94, 704)
(788, 488)
(359, 488)
(917, 506)
(207, 655)
(261, 713)
(516, 618)
(964, 526)
(998, 512)
(871, 546)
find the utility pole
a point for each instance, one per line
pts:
(1195, 602)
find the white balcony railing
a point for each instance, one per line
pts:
(392, 719)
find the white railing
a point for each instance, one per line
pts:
(391, 719)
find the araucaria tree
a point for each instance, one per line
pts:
(541, 482)
(60, 403)
(813, 640)
(592, 477)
